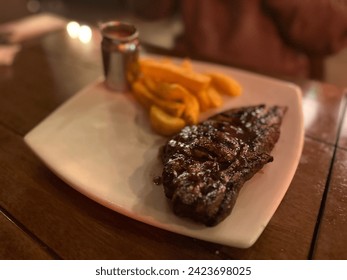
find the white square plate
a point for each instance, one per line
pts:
(100, 142)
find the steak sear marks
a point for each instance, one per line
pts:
(206, 165)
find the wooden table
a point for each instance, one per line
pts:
(41, 217)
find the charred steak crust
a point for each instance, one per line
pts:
(206, 165)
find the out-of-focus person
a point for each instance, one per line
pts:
(273, 36)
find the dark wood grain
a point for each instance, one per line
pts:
(323, 109)
(332, 235)
(15, 244)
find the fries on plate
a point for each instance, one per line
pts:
(174, 94)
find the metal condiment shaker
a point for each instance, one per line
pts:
(120, 51)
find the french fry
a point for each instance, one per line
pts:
(175, 95)
(167, 91)
(166, 60)
(187, 64)
(192, 110)
(215, 98)
(150, 84)
(146, 98)
(163, 123)
(178, 92)
(171, 73)
(138, 93)
(162, 90)
(225, 84)
(204, 100)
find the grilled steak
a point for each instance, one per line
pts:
(206, 165)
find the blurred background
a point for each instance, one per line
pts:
(252, 34)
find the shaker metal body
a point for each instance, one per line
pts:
(120, 51)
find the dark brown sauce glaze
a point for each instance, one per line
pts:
(205, 165)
